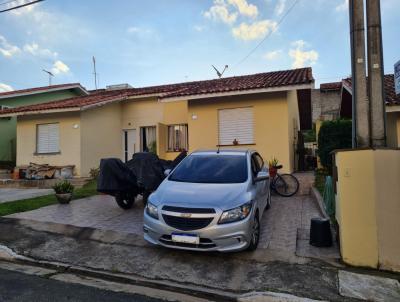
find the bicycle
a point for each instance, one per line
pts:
(285, 185)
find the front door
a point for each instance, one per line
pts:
(128, 143)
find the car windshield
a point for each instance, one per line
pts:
(218, 168)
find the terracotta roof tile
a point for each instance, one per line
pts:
(330, 86)
(239, 83)
(390, 94)
(40, 89)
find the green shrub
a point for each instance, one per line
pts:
(310, 135)
(333, 135)
(63, 187)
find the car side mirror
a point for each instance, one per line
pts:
(262, 175)
(167, 172)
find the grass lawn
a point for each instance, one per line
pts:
(17, 206)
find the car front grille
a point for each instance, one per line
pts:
(205, 243)
(187, 224)
(189, 210)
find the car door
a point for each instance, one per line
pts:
(262, 186)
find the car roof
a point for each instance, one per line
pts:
(222, 151)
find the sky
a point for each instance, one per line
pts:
(156, 42)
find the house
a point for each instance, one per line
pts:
(392, 102)
(259, 111)
(17, 98)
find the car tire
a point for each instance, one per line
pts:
(125, 200)
(255, 235)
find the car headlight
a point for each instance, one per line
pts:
(152, 210)
(236, 214)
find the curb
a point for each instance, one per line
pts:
(199, 292)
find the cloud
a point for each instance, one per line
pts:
(280, 7)
(219, 12)
(272, 55)
(35, 50)
(228, 11)
(254, 30)
(5, 87)
(301, 57)
(59, 67)
(244, 8)
(344, 6)
(6, 49)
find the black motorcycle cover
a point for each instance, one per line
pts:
(115, 176)
(148, 169)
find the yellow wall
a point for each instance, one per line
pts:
(293, 125)
(70, 143)
(271, 128)
(101, 136)
(368, 208)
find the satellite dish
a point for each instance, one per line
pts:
(218, 72)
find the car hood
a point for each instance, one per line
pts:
(223, 196)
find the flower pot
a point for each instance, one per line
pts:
(64, 198)
(272, 171)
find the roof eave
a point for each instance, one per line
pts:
(35, 112)
(237, 92)
(79, 88)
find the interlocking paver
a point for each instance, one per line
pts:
(278, 232)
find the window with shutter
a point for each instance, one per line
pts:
(47, 138)
(236, 126)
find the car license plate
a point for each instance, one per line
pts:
(185, 238)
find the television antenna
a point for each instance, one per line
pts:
(95, 72)
(50, 75)
(218, 72)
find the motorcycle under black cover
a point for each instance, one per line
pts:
(115, 176)
(171, 164)
(148, 169)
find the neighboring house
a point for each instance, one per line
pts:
(259, 111)
(326, 101)
(18, 98)
(392, 102)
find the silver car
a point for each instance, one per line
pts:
(212, 201)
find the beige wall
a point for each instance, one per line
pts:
(101, 136)
(70, 144)
(393, 129)
(271, 129)
(368, 207)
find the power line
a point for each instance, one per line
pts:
(19, 6)
(269, 34)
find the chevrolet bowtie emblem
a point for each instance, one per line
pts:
(186, 215)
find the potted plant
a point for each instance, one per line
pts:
(63, 191)
(273, 164)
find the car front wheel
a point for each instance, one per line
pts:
(255, 236)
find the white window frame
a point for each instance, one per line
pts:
(52, 147)
(237, 132)
(172, 141)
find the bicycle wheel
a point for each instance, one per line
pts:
(286, 185)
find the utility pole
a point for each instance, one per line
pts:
(376, 74)
(361, 112)
(50, 75)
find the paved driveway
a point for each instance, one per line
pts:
(18, 194)
(285, 226)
